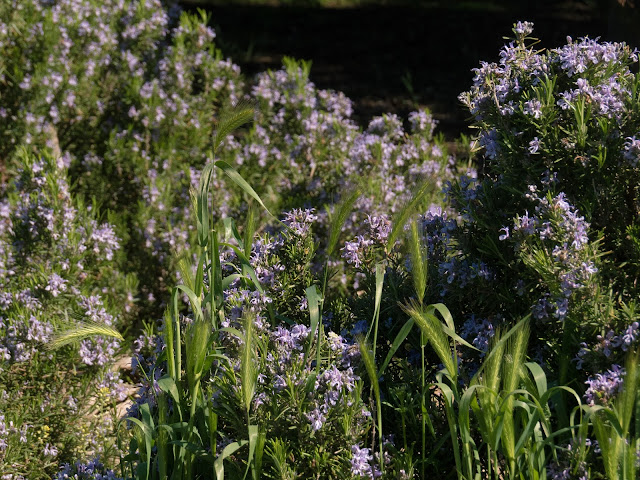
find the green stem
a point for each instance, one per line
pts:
(423, 407)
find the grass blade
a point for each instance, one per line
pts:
(248, 372)
(403, 215)
(369, 362)
(313, 301)
(376, 311)
(341, 212)
(227, 451)
(241, 182)
(400, 337)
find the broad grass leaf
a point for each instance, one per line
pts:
(227, 451)
(378, 300)
(241, 182)
(400, 337)
(167, 384)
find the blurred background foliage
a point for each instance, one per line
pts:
(396, 55)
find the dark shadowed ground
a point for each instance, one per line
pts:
(391, 58)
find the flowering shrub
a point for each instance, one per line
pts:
(130, 92)
(58, 263)
(289, 381)
(296, 352)
(557, 132)
(102, 83)
(92, 470)
(552, 217)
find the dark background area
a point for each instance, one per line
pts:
(393, 56)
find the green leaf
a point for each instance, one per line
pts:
(378, 300)
(228, 280)
(405, 213)
(241, 182)
(253, 440)
(230, 449)
(313, 301)
(400, 337)
(146, 427)
(193, 299)
(626, 402)
(168, 385)
(538, 376)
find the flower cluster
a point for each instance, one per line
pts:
(480, 332)
(300, 221)
(632, 150)
(604, 387)
(7, 428)
(562, 233)
(362, 464)
(332, 388)
(59, 264)
(91, 470)
(502, 88)
(43, 227)
(363, 249)
(106, 80)
(165, 84)
(558, 143)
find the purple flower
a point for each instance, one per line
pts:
(56, 284)
(317, 419)
(489, 140)
(603, 387)
(50, 450)
(299, 220)
(479, 331)
(113, 386)
(38, 331)
(422, 122)
(360, 462)
(104, 240)
(380, 227)
(524, 28)
(632, 150)
(98, 351)
(631, 334)
(533, 108)
(353, 252)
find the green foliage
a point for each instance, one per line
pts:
(307, 251)
(60, 273)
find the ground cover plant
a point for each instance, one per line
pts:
(307, 298)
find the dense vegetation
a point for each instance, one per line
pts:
(304, 297)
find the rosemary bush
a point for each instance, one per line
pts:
(58, 259)
(308, 335)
